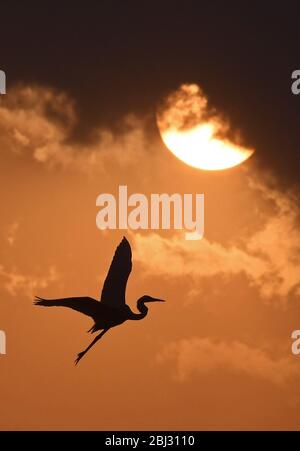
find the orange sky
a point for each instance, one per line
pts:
(216, 355)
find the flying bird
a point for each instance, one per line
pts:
(112, 309)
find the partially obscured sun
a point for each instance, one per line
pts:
(194, 134)
(197, 147)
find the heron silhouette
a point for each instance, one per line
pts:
(112, 309)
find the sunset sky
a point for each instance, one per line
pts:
(79, 119)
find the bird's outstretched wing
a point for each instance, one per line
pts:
(87, 306)
(113, 292)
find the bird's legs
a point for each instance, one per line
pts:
(81, 354)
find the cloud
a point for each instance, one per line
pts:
(31, 117)
(278, 243)
(185, 108)
(175, 256)
(202, 355)
(107, 147)
(38, 122)
(16, 283)
(12, 232)
(269, 256)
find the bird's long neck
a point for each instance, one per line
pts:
(141, 308)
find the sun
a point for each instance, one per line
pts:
(198, 148)
(195, 135)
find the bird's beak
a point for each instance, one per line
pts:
(157, 300)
